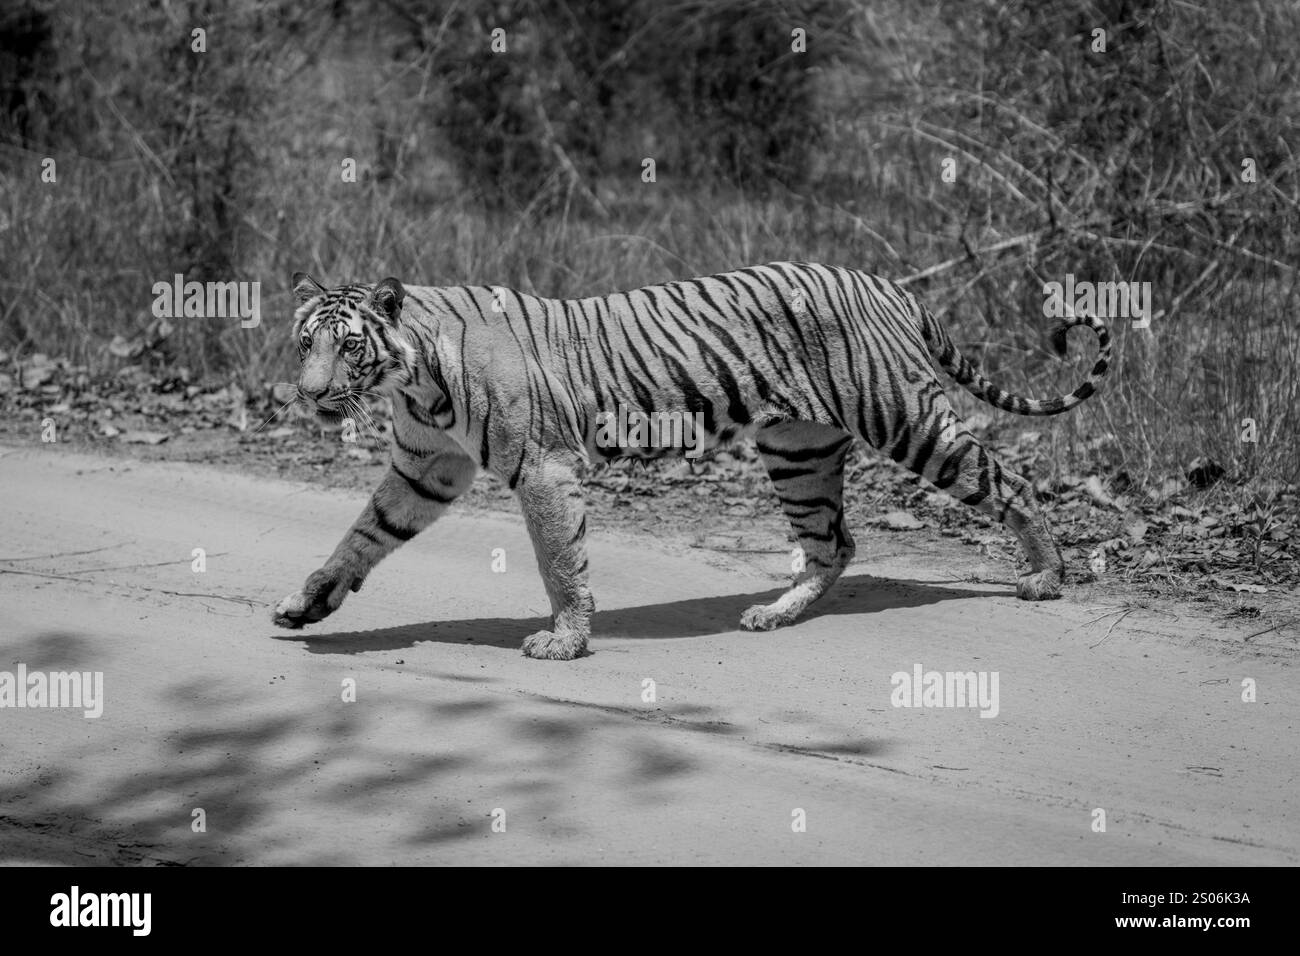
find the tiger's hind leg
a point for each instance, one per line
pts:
(805, 461)
(946, 454)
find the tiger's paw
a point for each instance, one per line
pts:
(295, 611)
(1042, 586)
(320, 597)
(552, 646)
(766, 617)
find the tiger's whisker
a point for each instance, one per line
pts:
(275, 414)
(364, 411)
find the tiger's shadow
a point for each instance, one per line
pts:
(692, 617)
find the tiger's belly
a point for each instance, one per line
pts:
(630, 432)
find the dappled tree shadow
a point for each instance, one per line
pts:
(294, 775)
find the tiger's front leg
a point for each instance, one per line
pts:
(415, 493)
(551, 499)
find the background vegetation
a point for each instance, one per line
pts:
(524, 168)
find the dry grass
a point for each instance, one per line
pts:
(78, 258)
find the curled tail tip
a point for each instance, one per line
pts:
(1097, 325)
(1102, 331)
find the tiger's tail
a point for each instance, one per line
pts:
(968, 376)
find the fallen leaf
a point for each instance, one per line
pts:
(1136, 530)
(124, 348)
(1233, 586)
(37, 370)
(145, 438)
(900, 521)
(1097, 493)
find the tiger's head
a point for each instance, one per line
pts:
(349, 344)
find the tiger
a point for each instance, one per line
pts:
(803, 359)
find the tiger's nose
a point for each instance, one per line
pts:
(314, 392)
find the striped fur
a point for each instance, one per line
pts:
(802, 358)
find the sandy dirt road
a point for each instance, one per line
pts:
(208, 706)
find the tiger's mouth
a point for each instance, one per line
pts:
(330, 408)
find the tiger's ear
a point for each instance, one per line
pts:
(388, 296)
(305, 287)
